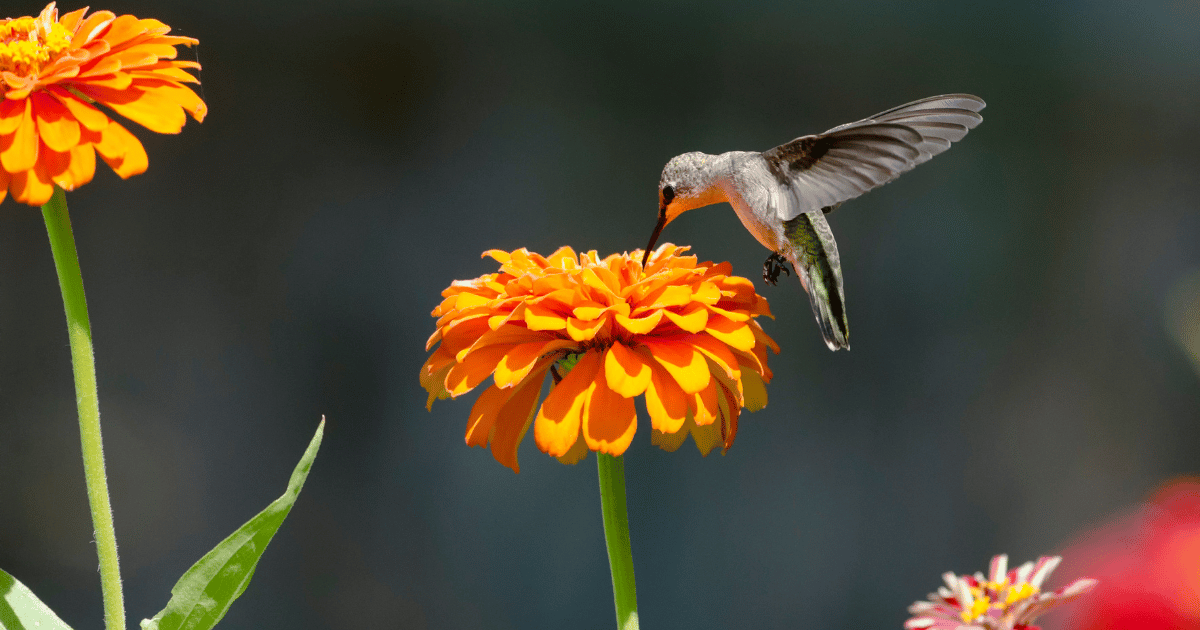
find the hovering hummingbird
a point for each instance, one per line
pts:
(782, 195)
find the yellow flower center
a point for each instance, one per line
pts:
(999, 592)
(1019, 592)
(26, 44)
(978, 608)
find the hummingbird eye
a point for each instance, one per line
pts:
(668, 194)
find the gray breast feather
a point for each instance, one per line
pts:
(826, 169)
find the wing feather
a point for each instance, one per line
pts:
(853, 173)
(844, 162)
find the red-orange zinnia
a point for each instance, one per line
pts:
(683, 333)
(54, 70)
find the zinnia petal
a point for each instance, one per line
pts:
(563, 256)
(57, 167)
(484, 413)
(83, 166)
(433, 374)
(57, 128)
(601, 280)
(514, 418)
(541, 318)
(665, 402)
(19, 150)
(12, 114)
(32, 187)
(706, 437)
(640, 325)
(501, 417)
(558, 421)
(122, 152)
(669, 442)
(581, 330)
(733, 334)
(91, 28)
(609, 419)
(684, 363)
(728, 416)
(706, 293)
(520, 361)
(719, 353)
(668, 296)
(626, 372)
(469, 373)
(754, 392)
(508, 334)
(589, 310)
(576, 454)
(693, 318)
(88, 116)
(705, 407)
(465, 332)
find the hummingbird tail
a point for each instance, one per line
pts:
(827, 307)
(814, 255)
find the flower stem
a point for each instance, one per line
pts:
(66, 262)
(616, 536)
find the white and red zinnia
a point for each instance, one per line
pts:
(1003, 600)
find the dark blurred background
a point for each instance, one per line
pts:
(1021, 308)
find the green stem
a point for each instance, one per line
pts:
(616, 536)
(66, 262)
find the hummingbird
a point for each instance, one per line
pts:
(782, 195)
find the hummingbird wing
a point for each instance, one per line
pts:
(940, 120)
(826, 169)
(814, 254)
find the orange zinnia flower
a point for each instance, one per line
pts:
(54, 70)
(681, 332)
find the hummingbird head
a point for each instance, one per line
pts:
(687, 182)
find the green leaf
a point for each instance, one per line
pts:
(20, 609)
(203, 595)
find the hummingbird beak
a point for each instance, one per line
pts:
(658, 228)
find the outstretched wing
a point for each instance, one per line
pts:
(826, 169)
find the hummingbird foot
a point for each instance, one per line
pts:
(773, 265)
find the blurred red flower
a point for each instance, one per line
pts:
(1148, 564)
